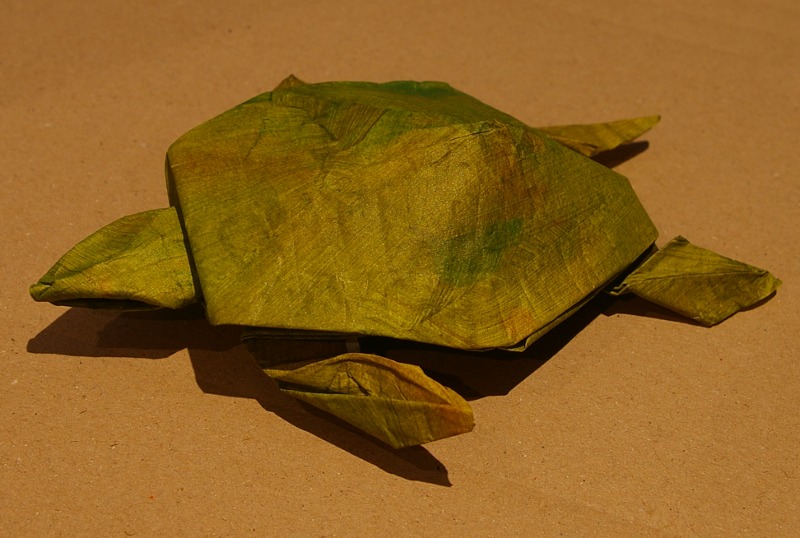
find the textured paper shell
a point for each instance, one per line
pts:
(408, 210)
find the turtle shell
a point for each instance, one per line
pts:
(405, 209)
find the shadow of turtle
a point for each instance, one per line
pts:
(223, 366)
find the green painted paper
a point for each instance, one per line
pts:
(137, 262)
(698, 283)
(407, 210)
(395, 402)
(590, 140)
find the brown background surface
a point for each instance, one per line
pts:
(617, 424)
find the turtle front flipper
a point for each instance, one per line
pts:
(137, 262)
(395, 402)
(698, 283)
(591, 139)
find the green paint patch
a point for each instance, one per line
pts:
(470, 257)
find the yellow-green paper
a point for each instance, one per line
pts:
(408, 210)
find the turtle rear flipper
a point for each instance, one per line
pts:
(135, 263)
(591, 139)
(698, 283)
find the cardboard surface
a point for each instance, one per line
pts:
(626, 421)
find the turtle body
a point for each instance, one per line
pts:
(405, 210)
(408, 210)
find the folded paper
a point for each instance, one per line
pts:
(408, 210)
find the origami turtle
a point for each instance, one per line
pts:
(408, 210)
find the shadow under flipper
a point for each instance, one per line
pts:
(620, 154)
(476, 374)
(235, 373)
(152, 334)
(633, 305)
(636, 306)
(473, 374)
